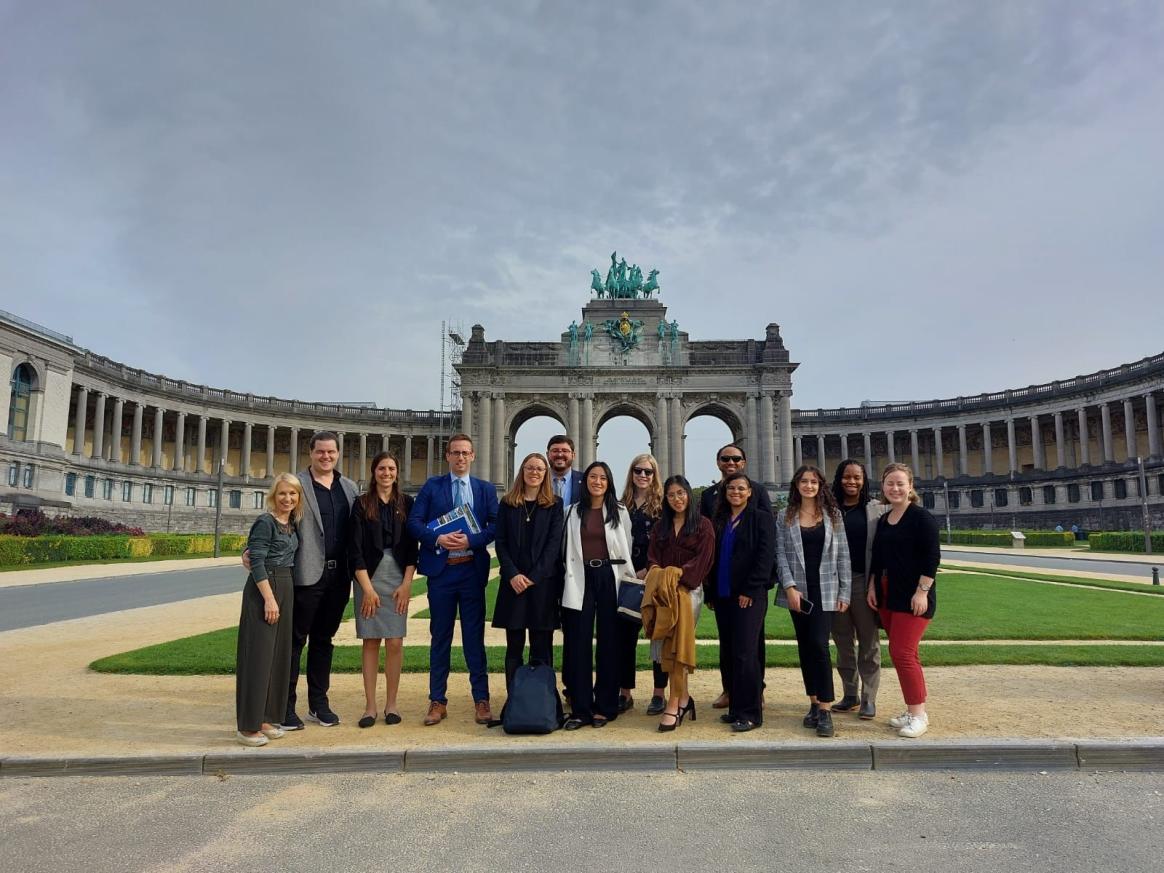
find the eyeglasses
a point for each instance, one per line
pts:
(642, 471)
(730, 459)
(677, 495)
(461, 453)
(533, 469)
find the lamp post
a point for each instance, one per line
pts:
(946, 493)
(1144, 507)
(218, 514)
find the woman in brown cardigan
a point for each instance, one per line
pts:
(685, 539)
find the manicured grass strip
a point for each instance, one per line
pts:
(148, 559)
(214, 653)
(1139, 587)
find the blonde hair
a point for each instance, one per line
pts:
(653, 505)
(900, 468)
(293, 481)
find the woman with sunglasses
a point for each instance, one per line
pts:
(529, 547)
(855, 632)
(643, 498)
(738, 589)
(684, 539)
(902, 588)
(598, 558)
(816, 580)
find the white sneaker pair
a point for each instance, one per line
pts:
(915, 726)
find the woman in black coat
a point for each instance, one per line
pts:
(529, 550)
(737, 588)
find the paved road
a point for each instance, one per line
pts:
(1129, 569)
(732, 820)
(29, 605)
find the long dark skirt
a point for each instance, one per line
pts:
(263, 664)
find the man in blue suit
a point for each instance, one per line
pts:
(566, 482)
(457, 567)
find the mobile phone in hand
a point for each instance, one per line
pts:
(806, 606)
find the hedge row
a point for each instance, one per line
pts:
(1042, 539)
(15, 550)
(1124, 541)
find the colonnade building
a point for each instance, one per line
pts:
(83, 434)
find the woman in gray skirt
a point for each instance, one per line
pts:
(382, 557)
(263, 663)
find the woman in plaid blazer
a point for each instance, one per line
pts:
(812, 552)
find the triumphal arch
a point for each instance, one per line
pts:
(628, 356)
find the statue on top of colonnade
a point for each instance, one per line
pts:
(624, 282)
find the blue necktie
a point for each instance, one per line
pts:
(462, 499)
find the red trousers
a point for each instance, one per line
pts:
(905, 631)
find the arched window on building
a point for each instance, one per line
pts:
(20, 403)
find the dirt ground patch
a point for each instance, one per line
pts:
(54, 705)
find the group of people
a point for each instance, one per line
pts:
(603, 567)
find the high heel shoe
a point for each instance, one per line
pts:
(689, 709)
(667, 728)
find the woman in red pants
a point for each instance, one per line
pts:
(906, 553)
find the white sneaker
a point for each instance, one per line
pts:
(248, 740)
(274, 733)
(899, 721)
(915, 727)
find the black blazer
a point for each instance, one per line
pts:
(905, 552)
(710, 499)
(537, 607)
(366, 540)
(752, 558)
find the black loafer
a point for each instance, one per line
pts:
(810, 717)
(599, 722)
(742, 725)
(625, 703)
(656, 706)
(868, 711)
(824, 724)
(367, 721)
(392, 718)
(727, 718)
(573, 723)
(846, 704)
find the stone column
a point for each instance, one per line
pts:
(572, 427)
(499, 449)
(135, 435)
(339, 444)
(408, 459)
(245, 461)
(938, 460)
(662, 436)
(768, 438)
(223, 444)
(987, 450)
(115, 431)
(363, 471)
(914, 454)
(180, 444)
(428, 456)
(79, 420)
(1153, 425)
(868, 438)
(467, 415)
(484, 446)
(159, 422)
(785, 410)
(820, 451)
(1011, 446)
(1084, 438)
(799, 449)
(677, 453)
(99, 427)
(890, 450)
(752, 424)
(963, 467)
(294, 450)
(844, 437)
(200, 460)
(1060, 443)
(1130, 429)
(271, 451)
(586, 431)
(1037, 444)
(1105, 418)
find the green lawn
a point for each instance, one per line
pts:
(148, 559)
(1112, 584)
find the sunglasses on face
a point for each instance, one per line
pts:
(643, 471)
(730, 459)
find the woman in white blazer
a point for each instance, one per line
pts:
(597, 558)
(816, 578)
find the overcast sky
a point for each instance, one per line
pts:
(931, 199)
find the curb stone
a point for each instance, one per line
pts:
(1007, 754)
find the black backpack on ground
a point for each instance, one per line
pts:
(534, 705)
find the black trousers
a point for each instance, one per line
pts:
(627, 643)
(541, 650)
(812, 643)
(319, 609)
(597, 693)
(740, 631)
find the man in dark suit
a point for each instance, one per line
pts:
(457, 567)
(566, 481)
(732, 459)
